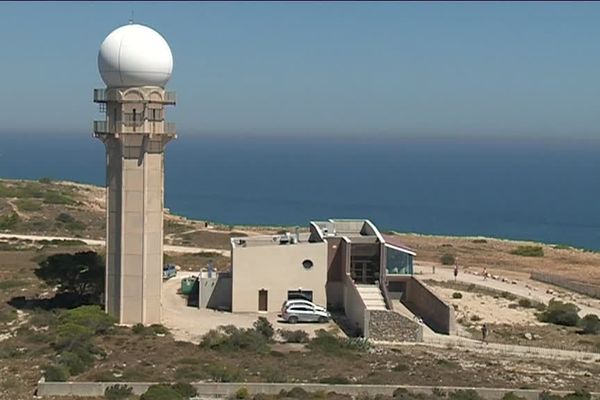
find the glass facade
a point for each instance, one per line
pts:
(398, 262)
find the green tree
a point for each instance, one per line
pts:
(80, 273)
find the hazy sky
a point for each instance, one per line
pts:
(527, 69)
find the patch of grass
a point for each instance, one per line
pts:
(224, 373)
(528, 251)
(189, 373)
(479, 241)
(12, 283)
(562, 247)
(55, 197)
(447, 259)
(28, 205)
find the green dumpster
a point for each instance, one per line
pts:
(187, 284)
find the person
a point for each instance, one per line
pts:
(455, 271)
(484, 333)
(433, 269)
(484, 273)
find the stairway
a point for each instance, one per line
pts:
(372, 297)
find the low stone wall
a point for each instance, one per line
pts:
(583, 288)
(91, 389)
(389, 326)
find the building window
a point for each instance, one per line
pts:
(307, 264)
(398, 262)
(300, 295)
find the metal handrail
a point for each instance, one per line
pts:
(101, 96)
(118, 127)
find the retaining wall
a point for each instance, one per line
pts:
(90, 389)
(583, 288)
(421, 301)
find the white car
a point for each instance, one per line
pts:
(304, 313)
(303, 302)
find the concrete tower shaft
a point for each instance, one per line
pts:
(135, 134)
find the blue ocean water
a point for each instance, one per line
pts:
(520, 189)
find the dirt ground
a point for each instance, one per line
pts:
(508, 322)
(495, 255)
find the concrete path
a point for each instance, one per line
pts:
(528, 289)
(94, 242)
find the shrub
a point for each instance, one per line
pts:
(508, 295)
(74, 363)
(479, 241)
(447, 259)
(45, 179)
(241, 393)
(91, 317)
(590, 324)
(118, 392)
(475, 318)
(231, 338)
(297, 336)
(528, 251)
(161, 392)
(185, 390)
(70, 336)
(526, 303)
(139, 329)
(159, 329)
(329, 343)
(560, 313)
(8, 221)
(56, 373)
(468, 394)
(264, 327)
(294, 393)
(457, 295)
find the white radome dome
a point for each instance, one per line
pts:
(135, 55)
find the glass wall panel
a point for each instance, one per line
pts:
(398, 262)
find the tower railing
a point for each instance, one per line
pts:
(142, 127)
(103, 96)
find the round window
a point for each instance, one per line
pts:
(307, 264)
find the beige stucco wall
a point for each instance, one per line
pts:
(277, 269)
(134, 223)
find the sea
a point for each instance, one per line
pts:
(544, 190)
